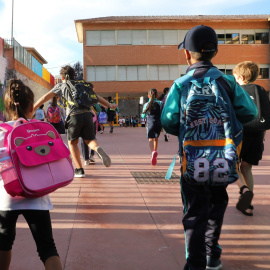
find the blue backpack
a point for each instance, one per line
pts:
(102, 118)
(210, 134)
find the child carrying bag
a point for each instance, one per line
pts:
(34, 160)
(261, 100)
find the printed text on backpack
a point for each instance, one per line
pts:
(35, 161)
(210, 146)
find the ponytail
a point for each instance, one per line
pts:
(18, 98)
(153, 94)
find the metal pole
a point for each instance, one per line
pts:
(12, 21)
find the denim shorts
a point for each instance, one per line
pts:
(80, 125)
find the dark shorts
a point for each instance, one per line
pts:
(39, 222)
(80, 125)
(153, 131)
(252, 147)
(111, 115)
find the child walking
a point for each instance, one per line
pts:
(205, 204)
(252, 147)
(19, 101)
(152, 111)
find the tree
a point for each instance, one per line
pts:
(78, 71)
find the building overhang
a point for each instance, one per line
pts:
(79, 30)
(36, 54)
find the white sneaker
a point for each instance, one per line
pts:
(101, 131)
(92, 160)
(87, 162)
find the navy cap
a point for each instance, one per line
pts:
(197, 37)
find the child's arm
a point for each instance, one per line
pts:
(170, 117)
(103, 101)
(43, 99)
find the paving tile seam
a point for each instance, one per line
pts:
(148, 210)
(72, 229)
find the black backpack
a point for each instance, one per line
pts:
(82, 93)
(261, 99)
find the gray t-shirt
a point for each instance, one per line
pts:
(62, 90)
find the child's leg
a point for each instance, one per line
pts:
(75, 152)
(106, 160)
(151, 144)
(53, 263)
(8, 221)
(246, 170)
(39, 222)
(196, 202)
(219, 201)
(155, 144)
(85, 150)
(5, 259)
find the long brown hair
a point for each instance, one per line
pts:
(152, 94)
(54, 101)
(18, 97)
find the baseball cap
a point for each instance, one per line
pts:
(196, 38)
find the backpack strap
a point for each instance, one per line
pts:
(6, 127)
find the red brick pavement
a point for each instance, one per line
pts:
(107, 221)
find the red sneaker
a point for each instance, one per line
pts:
(154, 158)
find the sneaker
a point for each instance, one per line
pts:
(87, 162)
(213, 263)
(79, 173)
(106, 160)
(101, 132)
(92, 160)
(154, 158)
(111, 130)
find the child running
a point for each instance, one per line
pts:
(152, 111)
(19, 101)
(252, 147)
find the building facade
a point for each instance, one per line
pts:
(126, 56)
(26, 64)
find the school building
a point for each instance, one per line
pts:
(126, 56)
(26, 64)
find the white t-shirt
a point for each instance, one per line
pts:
(8, 202)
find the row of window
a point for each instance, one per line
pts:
(148, 72)
(170, 37)
(257, 38)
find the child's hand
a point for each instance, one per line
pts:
(113, 106)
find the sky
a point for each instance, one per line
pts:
(49, 25)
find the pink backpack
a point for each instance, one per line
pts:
(34, 161)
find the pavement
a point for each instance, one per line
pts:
(109, 221)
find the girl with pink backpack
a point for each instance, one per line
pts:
(19, 101)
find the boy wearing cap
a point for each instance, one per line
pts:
(204, 205)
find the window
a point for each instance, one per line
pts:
(155, 37)
(124, 37)
(221, 39)
(264, 73)
(247, 39)
(262, 38)
(163, 72)
(163, 37)
(139, 37)
(101, 73)
(92, 38)
(228, 38)
(170, 37)
(132, 73)
(107, 37)
(232, 38)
